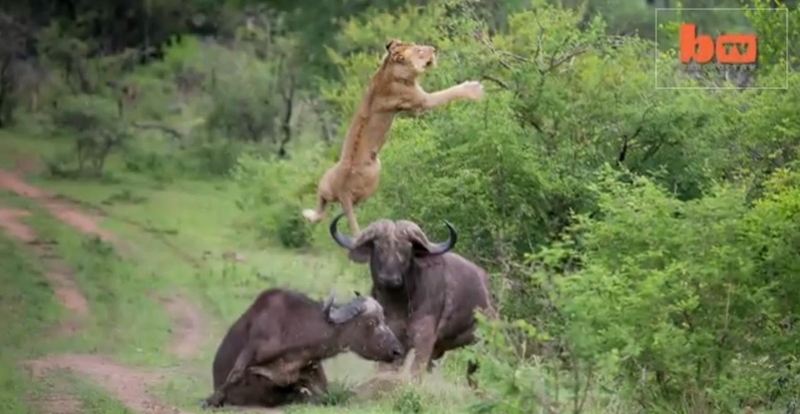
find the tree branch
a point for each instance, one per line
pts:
(160, 127)
(497, 81)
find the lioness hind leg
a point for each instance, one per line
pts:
(319, 214)
(347, 206)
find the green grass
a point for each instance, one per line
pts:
(198, 219)
(28, 309)
(89, 397)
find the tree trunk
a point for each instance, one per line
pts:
(287, 119)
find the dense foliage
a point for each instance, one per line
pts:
(644, 243)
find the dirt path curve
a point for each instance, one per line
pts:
(63, 211)
(60, 280)
(56, 271)
(127, 384)
(189, 329)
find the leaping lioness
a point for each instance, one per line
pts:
(393, 88)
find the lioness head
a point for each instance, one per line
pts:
(416, 57)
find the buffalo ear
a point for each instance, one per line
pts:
(422, 247)
(361, 252)
(419, 249)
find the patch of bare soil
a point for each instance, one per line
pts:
(56, 400)
(188, 326)
(57, 273)
(128, 385)
(63, 211)
(26, 163)
(253, 409)
(378, 385)
(60, 280)
(99, 211)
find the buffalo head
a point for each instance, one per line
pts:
(362, 329)
(390, 247)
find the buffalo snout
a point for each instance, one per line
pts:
(396, 350)
(390, 347)
(397, 354)
(391, 281)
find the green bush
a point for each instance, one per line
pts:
(292, 229)
(212, 156)
(595, 201)
(408, 401)
(92, 122)
(642, 243)
(245, 99)
(270, 198)
(683, 306)
(162, 166)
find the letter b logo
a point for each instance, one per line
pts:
(702, 48)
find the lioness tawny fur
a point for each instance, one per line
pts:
(393, 88)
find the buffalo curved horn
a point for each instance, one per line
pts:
(347, 312)
(341, 239)
(445, 246)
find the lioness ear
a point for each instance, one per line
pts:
(394, 51)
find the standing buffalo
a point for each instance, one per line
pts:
(273, 352)
(429, 295)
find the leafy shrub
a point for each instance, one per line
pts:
(270, 190)
(292, 231)
(162, 165)
(91, 121)
(154, 98)
(245, 101)
(211, 156)
(84, 112)
(337, 393)
(408, 401)
(644, 281)
(683, 302)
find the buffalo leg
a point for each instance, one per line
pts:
(466, 338)
(315, 381)
(254, 353)
(437, 354)
(424, 339)
(280, 373)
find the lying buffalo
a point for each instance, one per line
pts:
(428, 294)
(272, 354)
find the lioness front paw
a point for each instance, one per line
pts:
(472, 90)
(311, 215)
